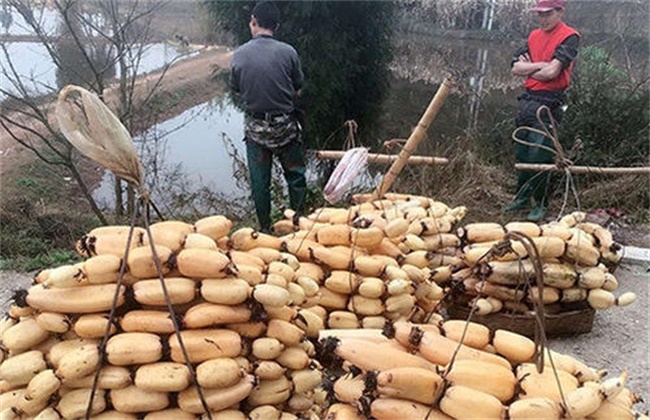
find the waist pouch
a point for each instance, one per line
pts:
(528, 105)
(272, 132)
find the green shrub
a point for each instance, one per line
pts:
(345, 48)
(40, 261)
(608, 111)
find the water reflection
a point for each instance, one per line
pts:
(484, 93)
(35, 66)
(429, 59)
(45, 67)
(199, 150)
(476, 87)
(14, 24)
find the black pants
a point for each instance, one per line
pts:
(530, 183)
(260, 161)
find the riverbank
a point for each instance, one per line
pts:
(184, 84)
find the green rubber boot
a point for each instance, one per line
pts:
(521, 200)
(537, 213)
(519, 203)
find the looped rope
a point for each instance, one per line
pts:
(394, 143)
(350, 141)
(561, 161)
(502, 248)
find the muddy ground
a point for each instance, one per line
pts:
(619, 339)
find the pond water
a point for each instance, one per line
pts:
(35, 68)
(198, 149)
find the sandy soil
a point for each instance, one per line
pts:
(618, 341)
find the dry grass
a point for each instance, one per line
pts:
(466, 180)
(484, 188)
(629, 194)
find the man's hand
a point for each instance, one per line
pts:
(223, 61)
(541, 70)
(524, 58)
(524, 67)
(549, 71)
(221, 64)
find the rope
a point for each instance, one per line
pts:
(450, 365)
(330, 137)
(538, 304)
(541, 341)
(111, 317)
(143, 204)
(170, 308)
(390, 144)
(395, 147)
(350, 141)
(561, 161)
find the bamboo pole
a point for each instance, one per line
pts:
(367, 197)
(414, 139)
(382, 159)
(539, 167)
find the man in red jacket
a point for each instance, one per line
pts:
(545, 63)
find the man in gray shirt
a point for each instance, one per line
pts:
(267, 75)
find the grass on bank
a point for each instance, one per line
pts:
(36, 233)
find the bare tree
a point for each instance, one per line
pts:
(94, 44)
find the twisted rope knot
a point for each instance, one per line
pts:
(350, 141)
(145, 195)
(561, 161)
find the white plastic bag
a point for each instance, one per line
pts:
(353, 162)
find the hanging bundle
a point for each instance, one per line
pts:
(91, 127)
(354, 161)
(95, 131)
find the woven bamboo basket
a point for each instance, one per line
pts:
(565, 319)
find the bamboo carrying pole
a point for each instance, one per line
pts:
(379, 158)
(415, 138)
(582, 169)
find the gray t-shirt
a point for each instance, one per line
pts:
(266, 73)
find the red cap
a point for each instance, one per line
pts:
(546, 5)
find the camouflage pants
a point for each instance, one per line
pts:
(274, 131)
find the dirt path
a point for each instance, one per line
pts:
(185, 84)
(618, 341)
